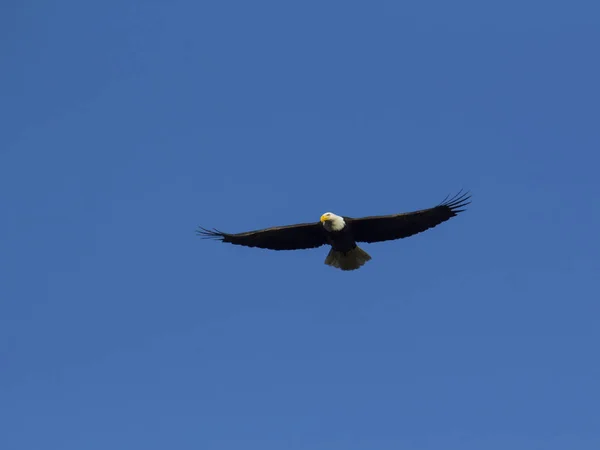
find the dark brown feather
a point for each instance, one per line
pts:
(290, 237)
(398, 226)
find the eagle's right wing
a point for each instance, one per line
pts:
(290, 237)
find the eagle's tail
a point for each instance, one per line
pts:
(350, 260)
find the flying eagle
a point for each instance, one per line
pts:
(342, 233)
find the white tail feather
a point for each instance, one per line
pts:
(351, 260)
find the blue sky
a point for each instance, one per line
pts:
(125, 125)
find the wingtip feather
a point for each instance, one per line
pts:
(205, 233)
(457, 202)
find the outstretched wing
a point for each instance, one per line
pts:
(398, 226)
(290, 237)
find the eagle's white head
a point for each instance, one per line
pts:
(331, 222)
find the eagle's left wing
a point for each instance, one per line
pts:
(398, 226)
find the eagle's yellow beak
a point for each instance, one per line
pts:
(323, 218)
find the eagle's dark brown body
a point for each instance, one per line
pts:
(342, 240)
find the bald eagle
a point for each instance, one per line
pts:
(342, 232)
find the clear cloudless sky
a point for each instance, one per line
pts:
(126, 124)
